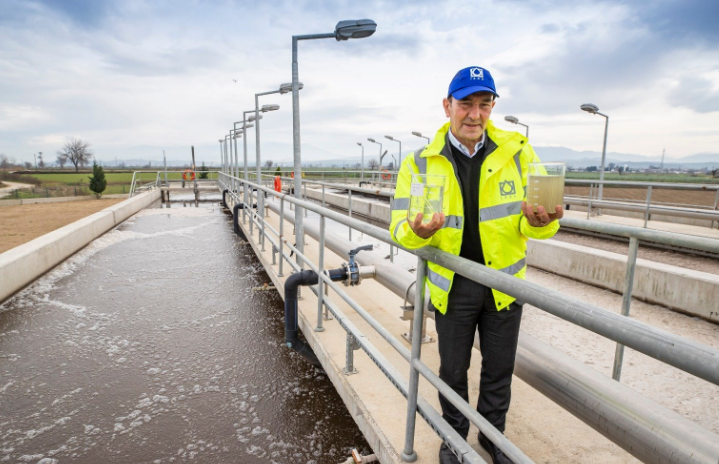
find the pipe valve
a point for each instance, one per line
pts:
(355, 272)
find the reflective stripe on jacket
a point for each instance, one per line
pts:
(503, 228)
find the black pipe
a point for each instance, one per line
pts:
(224, 203)
(304, 278)
(236, 220)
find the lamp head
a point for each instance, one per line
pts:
(253, 117)
(221, 140)
(418, 134)
(358, 143)
(247, 126)
(271, 107)
(511, 119)
(589, 108)
(287, 87)
(355, 29)
(389, 137)
(372, 140)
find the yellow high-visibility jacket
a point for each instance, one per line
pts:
(503, 229)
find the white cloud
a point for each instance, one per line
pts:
(137, 77)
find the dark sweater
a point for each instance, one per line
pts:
(468, 174)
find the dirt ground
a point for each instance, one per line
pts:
(683, 197)
(22, 223)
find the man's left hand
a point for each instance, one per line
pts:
(541, 218)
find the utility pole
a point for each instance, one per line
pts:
(662, 165)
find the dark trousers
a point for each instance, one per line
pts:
(470, 309)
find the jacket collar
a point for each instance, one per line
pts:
(503, 146)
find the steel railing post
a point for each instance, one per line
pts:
(626, 302)
(323, 196)
(649, 200)
(282, 233)
(391, 248)
(408, 454)
(716, 203)
(320, 284)
(305, 186)
(589, 201)
(350, 213)
(351, 346)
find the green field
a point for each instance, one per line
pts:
(60, 184)
(640, 177)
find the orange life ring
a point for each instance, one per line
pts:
(386, 174)
(278, 184)
(292, 174)
(188, 173)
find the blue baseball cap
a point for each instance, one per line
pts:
(470, 80)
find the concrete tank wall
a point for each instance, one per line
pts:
(23, 264)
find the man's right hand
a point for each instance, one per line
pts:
(429, 229)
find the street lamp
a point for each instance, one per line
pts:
(344, 30)
(594, 109)
(419, 134)
(222, 154)
(362, 162)
(380, 150)
(514, 120)
(400, 148)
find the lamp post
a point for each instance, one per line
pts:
(419, 134)
(344, 30)
(380, 150)
(594, 109)
(222, 155)
(245, 126)
(514, 120)
(284, 88)
(362, 162)
(400, 148)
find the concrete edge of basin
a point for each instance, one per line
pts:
(22, 265)
(688, 291)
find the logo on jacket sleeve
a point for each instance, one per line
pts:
(506, 188)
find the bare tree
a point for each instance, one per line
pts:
(6, 162)
(61, 160)
(269, 164)
(28, 165)
(373, 164)
(77, 152)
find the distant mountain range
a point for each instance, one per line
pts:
(282, 153)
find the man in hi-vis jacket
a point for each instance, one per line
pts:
(485, 219)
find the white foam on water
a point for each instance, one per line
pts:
(38, 291)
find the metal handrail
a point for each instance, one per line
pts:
(692, 357)
(657, 185)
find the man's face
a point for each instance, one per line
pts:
(468, 117)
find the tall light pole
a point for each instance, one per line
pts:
(514, 120)
(222, 155)
(400, 149)
(284, 88)
(380, 150)
(362, 162)
(344, 30)
(594, 109)
(419, 134)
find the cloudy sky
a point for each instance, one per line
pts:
(136, 77)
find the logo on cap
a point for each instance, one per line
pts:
(476, 73)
